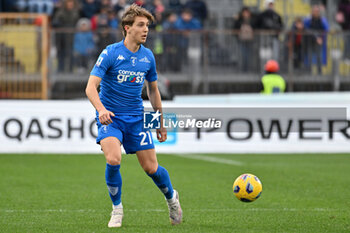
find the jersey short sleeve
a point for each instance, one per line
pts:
(104, 61)
(152, 74)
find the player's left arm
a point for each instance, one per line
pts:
(156, 102)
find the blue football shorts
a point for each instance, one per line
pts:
(129, 130)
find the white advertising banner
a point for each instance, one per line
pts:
(252, 124)
(47, 126)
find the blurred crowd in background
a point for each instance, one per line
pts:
(94, 23)
(83, 28)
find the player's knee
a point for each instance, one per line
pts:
(113, 159)
(150, 168)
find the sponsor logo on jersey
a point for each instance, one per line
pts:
(145, 59)
(105, 52)
(130, 76)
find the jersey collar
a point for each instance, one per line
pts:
(128, 51)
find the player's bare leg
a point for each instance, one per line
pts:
(111, 148)
(148, 160)
(160, 176)
(112, 151)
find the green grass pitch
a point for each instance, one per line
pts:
(67, 193)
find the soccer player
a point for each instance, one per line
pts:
(120, 71)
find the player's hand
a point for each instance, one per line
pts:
(105, 116)
(161, 134)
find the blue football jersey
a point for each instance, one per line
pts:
(123, 74)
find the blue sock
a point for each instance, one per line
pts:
(114, 183)
(162, 180)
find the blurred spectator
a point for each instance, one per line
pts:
(19, 5)
(35, 6)
(269, 19)
(140, 2)
(171, 39)
(156, 7)
(43, 6)
(343, 18)
(57, 4)
(104, 38)
(112, 19)
(297, 42)
(159, 5)
(90, 8)
(186, 23)
(100, 19)
(158, 10)
(198, 8)
(65, 19)
(272, 81)
(169, 22)
(316, 41)
(244, 24)
(106, 4)
(175, 6)
(83, 44)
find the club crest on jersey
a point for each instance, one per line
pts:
(133, 61)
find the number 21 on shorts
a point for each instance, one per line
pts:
(144, 137)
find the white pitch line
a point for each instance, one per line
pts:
(210, 159)
(77, 210)
(187, 210)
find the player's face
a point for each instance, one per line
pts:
(139, 30)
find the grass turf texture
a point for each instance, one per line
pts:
(67, 193)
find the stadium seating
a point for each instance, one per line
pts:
(23, 41)
(8, 62)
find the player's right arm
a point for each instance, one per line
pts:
(91, 92)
